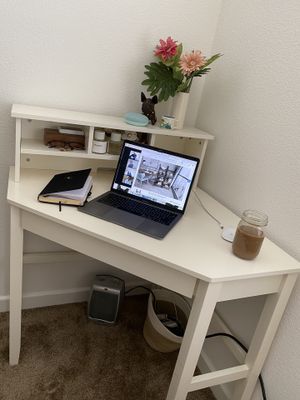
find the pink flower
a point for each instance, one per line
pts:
(191, 62)
(166, 50)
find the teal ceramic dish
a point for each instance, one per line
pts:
(136, 119)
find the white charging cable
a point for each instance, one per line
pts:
(227, 232)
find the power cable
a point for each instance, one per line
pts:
(262, 385)
(206, 210)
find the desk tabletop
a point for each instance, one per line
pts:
(194, 246)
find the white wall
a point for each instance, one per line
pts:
(251, 104)
(86, 55)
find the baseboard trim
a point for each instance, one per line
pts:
(206, 363)
(64, 296)
(4, 303)
(48, 298)
(53, 257)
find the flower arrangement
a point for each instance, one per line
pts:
(174, 72)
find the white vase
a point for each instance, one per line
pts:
(180, 103)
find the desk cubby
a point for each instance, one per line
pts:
(31, 152)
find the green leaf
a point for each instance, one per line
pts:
(178, 54)
(160, 81)
(183, 86)
(177, 74)
(201, 71)
(212, 59)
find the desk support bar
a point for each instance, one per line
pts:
(206, 297)
(219, 377)
(264, 334)
(16, 273)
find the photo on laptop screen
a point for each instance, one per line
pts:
(153, 174)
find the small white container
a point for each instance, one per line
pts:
(99, 147)
(99, 142)
(99, 134)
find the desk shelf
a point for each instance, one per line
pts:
(37, 147)
(30, 151)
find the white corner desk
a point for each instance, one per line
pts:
(192, 260)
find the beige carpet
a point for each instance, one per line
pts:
(65, 356)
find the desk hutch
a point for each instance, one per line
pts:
(30, 151)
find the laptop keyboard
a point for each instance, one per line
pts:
(134, 207)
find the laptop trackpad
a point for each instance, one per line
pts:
(123, 218)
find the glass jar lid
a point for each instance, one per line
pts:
(255, 217)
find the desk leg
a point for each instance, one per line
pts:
(205, 300)
(264, 334)
(16, 269)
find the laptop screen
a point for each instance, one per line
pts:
(158, 176)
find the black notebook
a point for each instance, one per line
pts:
(68, 188)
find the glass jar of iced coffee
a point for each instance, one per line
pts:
(249, 234)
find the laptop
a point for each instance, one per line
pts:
(149, 191)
